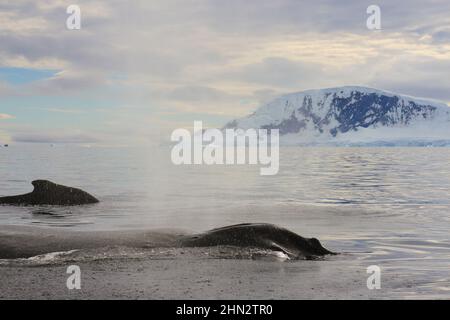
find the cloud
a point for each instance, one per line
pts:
(55, 137)
(278, 72)
(442, 36)
(68, 81)
(11, 22)
(168, 62)
(4, 116)
(415, 76)
(198, 94)
(64, 110)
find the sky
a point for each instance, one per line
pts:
(137, 70)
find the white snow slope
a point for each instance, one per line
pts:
(353, 115)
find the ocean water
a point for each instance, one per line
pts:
(383, 206)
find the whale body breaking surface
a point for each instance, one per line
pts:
(48, 193)
(258, 235)
(25, 242)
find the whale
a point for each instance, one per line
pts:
(26, 241)
(48, 193)
(259, 235)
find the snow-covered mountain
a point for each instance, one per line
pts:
(352, 115)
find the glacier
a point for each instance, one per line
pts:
(352, 116)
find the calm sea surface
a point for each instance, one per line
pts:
(387, 206)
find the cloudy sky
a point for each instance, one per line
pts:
(139, 69)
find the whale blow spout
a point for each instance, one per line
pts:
(49, 193)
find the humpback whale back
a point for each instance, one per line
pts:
(49, 193)
(259, 235)
(25, 242)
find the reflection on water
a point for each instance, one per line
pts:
(385, 205)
